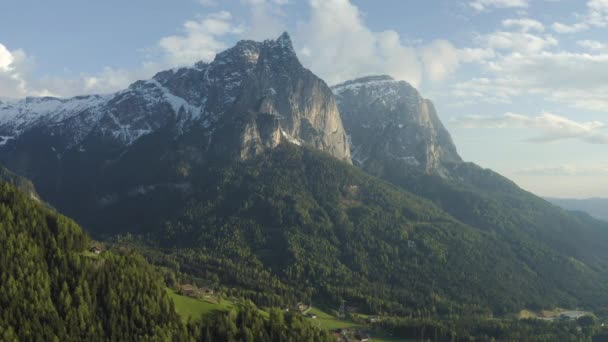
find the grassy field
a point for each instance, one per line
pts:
(329, 322)
(189, 307)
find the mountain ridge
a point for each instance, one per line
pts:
(251, 184)
(389, 119)
(201, 96)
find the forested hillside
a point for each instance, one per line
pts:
(50, 289)
(53, 289)
(297, 224)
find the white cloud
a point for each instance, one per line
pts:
(484, 5)
(201, 39)
(520, 42)
(267, 19)
(596, 16)
(17, 79)
(15, 74)
(336, 44)
(6, 59)
(574, 79)
(441, 59)
(336, 32)
(524, 24)
(593, 45)
(550, 126)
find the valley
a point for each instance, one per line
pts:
(228, 192)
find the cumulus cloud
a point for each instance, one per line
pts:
(6, 59)
(564, 28)
(15, 74)
(595, 16)
(201, 39)
(336, 32)
(267, 19)
(520, 42)
(484, 5)
(551, 127)
(441, 59)
(337, 44)
(575, 79)
(524, 24)
(17, 78)
(593, 45)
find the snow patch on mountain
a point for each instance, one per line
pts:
(22, 114)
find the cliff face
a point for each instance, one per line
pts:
(389, 122)
(281, 101)
(256, 93)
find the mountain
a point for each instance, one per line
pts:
(251, 98)
(300, 223)
(53, 289)
(259, 90)
(389, 122)
(596, 207)
(239, 172)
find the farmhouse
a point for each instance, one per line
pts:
(95, 249)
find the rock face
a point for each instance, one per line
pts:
(256, 92)
(389, 122)
(279, 101)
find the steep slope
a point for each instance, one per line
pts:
(21, 183)
(251, 98)
(391, 119)
(240, 170)
(51, 290)
(262, 86)
(389, 122)
(296, 224)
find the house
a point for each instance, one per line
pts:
(95, 250)
(190, 290)
(363, 337)
(311, 315)
(302, 307)
(207, 291)
(373, 319)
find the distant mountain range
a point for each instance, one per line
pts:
(596, 207)
(252, 172)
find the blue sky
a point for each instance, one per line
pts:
(521, 84)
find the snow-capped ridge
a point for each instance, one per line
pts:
(250, 77)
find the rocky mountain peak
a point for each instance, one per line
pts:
(389, 121)
(257, 93)
(281, 101)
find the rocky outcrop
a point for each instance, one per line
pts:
(389, 122)
(282, 101)
(256, 93)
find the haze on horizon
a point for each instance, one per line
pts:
(520, 84)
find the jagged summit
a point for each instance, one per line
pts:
(389, 121)
(256, 93)
(284, 41)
